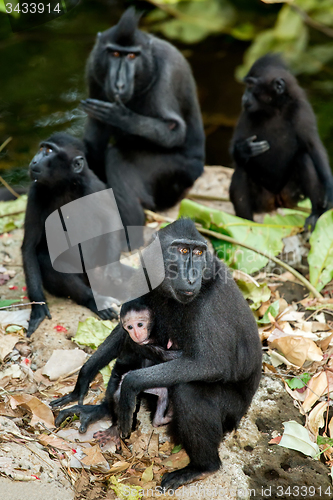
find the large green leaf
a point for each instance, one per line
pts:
(320, 257)
(194, 21)
(264, 237)
(10, 222)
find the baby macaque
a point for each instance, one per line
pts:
(138, 321)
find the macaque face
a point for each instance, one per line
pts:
(138, 325)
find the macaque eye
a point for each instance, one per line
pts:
(183, 250)
(131, 56)
(115, 54)
(130, 327)
(48, 150)
(140, 325)
(197, 252)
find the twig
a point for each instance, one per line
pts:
(23, 305)
(311, 22)
(4, 144)
(10, 189)
(223, 237)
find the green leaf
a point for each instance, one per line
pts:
(92, 332)
(13, 328)
(194, 21)
(264, 237)
(289, 24)
(11, 222)
(273, 310)
(296, 437)
(8, 302)
(125, 491)
(324, 440)
(258, 294)
(320, 257)
(176, 449)
(299, 382)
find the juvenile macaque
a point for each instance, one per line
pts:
(138, 321)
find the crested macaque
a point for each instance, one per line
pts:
(278, 155)
(142, 95)
(199, 307)
(137, 319)
(60, 174)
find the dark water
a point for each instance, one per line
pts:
(42, 83)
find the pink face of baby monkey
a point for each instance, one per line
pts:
(138, 325)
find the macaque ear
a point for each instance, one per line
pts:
(279, 85)
(78, 164)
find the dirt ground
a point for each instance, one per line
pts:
(251, 467)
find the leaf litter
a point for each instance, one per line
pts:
(297, 338)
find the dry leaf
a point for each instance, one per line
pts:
(40, 411)
(63, 362)
(316, 388)
(147, 475)
(177, 460)
(278, 359)
(95, 459)
(153, 446)
(323, 344)
(298, 349)
(316, 418)
(119, 467)
(54, 441)
(7, 344)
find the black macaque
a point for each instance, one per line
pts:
(279, 157)
(142, 94)
(200, 309)
(138, 350)
(60, 174)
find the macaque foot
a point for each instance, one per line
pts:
(110, 434)
(88, 414)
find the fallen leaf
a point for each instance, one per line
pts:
(316, 388)
(54, 441)
(296, 437)
(119, 467)
(95, 459)
(297, 349)
(63, 362)
(7, 344)
(125, 491)
(147, 475)
(323, 344)
(40, 411)
(316, 418)
(177, 460)
(153, 446)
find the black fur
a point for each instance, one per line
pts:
(55, 185)
(212, 384)
(142, 94)
(279, 157)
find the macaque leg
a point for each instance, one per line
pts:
(160, 418)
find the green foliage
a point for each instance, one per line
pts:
(10, 222)
(320, 257)
(272, 310)
(92, 332)
(193, 21)
(265, 237)
(8, 302)
(257, 294)
(299, 382)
